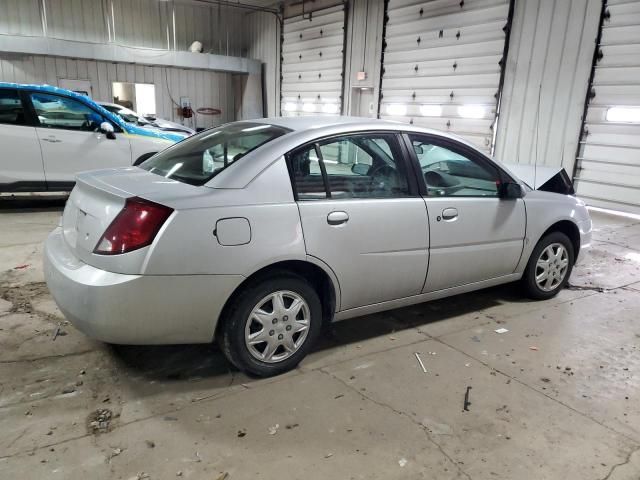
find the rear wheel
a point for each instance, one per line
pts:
(271, 326)
(549, 266)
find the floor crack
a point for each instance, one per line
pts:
(621, 464)
(399, 412)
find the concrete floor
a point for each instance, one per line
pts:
(555, 397)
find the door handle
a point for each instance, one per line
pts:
(449, 214)
(337, 218)
(51, 140)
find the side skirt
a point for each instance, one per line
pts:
(424, 297)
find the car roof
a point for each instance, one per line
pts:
(320, 121)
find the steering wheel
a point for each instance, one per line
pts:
(382, 177)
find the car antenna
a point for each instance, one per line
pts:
(535, 164)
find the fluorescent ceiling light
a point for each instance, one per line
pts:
(308, 107)
(472, 111)
(623, 114)
(397, 109)
(290, 107)
(430, 110)
(330, 108)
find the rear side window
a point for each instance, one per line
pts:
(11, 109)
(55, 111)
(201, 157)
(352, 166)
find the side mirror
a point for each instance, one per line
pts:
(108, 130)
(360, 168)
(510, 191)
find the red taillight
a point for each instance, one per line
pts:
(134, 227)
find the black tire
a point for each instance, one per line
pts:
(231, 336)
(530, 286)
(142, 158)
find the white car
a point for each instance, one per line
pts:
(258, 233)
(130, 116)
(48, 134)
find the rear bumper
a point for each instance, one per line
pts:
(134, 309)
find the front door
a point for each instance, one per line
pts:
(361, 216)
(475, 235)
(21, 165)
(71, 141)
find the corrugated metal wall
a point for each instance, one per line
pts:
(548, 65)
(262, 42)
(138, 23)
(205, 88)
(20, 17)
(442, 65)
(608, 173)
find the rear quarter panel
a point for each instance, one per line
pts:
(188, 245)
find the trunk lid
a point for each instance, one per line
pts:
(98, 198)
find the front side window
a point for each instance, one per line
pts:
(55, 111)
(354, 166)
(201, 157)
(451, 174)
(11, 109)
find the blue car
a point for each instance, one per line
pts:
(49, 134)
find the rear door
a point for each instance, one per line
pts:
(71, 141)
(362, 216)
(475, 235)
(21, 167)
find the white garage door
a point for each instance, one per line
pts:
(312, 63)
(608, 173)
(442, 65)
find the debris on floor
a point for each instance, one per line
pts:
(467, 403)
(402, 462)
(274, 429)
(534, 348)
(501, 330)
(420, 362)
(100, 421)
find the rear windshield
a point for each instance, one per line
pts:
(201, 157)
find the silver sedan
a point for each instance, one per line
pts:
(257, 233)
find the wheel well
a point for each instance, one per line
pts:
(570, 230)
(312, 273)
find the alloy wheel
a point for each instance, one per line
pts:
(277, 326)
(552, 267)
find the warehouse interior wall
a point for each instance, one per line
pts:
(135, 23)
(204, 88)
(146, 29)
(365, 21)
(546, 80)
(261, 37)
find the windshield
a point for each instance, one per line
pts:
(201, 157)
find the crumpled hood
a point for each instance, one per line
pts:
(542, 177)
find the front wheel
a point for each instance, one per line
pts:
(272, 325)
(549, 266)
